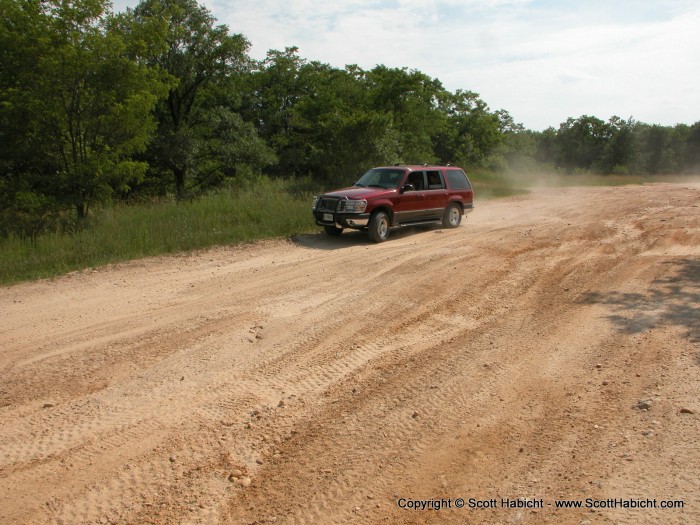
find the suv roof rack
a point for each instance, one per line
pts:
(422, 164)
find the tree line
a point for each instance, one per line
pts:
(618, 146)
(162, 100)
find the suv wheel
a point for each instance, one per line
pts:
(453, 216)
(378, 227)
(333, 231)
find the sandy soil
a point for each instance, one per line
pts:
(547, 349)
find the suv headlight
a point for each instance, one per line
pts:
(352, 206)
(315, 202)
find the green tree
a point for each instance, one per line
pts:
(517, 148)
(332, 124)
(620, 147)
(654, 153)
(336, 130)
(271, 92)
(24, 205)
(546, 146)
(692, 155)
(319, 119)
(201, 138)
(411, 98)
(78, 110)
(581, 143)
(472, 132)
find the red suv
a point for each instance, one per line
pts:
(392, 196)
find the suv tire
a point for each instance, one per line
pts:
(453, 216)
(378, 228)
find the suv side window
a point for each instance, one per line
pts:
(458, 180)
(435, 181)
(416, 178)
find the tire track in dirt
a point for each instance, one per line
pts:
(440, 403)
(337, 374)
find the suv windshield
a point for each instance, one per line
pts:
(381, 178)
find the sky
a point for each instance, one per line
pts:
(543, 61)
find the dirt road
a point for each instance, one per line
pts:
(546, 350)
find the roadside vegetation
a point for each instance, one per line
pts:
(149, 131)
(263, 209)
(120, 232)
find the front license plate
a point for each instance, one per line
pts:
(328, 217)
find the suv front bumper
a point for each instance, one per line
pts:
(341, 220)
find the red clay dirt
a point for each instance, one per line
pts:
(546, 350)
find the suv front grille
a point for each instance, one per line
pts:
(328, 204)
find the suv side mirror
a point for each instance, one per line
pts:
(407, 187)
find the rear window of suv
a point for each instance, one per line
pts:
(435, 180)
(458, 180)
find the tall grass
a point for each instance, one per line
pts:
(120, 232)
(490, 185)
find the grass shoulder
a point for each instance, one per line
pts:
(117, 233)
